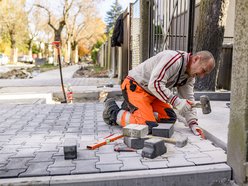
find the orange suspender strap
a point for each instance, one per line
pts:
(104, 142)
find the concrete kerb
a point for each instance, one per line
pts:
(216, 141)
(90, 95)
(40, 97)
(94, 94)
(204, 175)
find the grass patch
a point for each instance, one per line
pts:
(46, 67)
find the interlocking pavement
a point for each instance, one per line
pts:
(32, 136)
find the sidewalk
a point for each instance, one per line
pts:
(32, 136)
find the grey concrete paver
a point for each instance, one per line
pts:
(110, 158)
(85, 166)
(4, 158)
(109, 167)
(155, 164)
(178, 162)
(25, 153)
(42, 157)
(11, 173)
(59, 161)
(10, 148)
(60, 170)
(36, 169)
(48, 148)
(201, 160)
(45, 127)
(16, 163)
(132, 163)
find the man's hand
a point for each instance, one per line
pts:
(183, 106)
(197, 130)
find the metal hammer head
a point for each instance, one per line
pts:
(181, 142)
(205, 104)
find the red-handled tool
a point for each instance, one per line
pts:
(122, 148)
(104, 142)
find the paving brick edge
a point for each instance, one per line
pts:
(197, 175)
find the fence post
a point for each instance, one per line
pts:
(191, 20)
(144, 27)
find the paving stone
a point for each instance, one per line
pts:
(103, 127)
(60, 170)
(6, 137)
(218, 156)
(32, 144)
(43, 157)
(78, 120)
(153, 147)
(48, 148)
(106, 149)
(4, 157)
(60, 151)
(128, 154)
(10, 149)
(18, 140)
(155, 164)
(201, 160)
(59, 161)
(85, 166)
(71, 135)
(70, 149)
(51, 140)
(103, 134)
(16, 163)
(196, 155)
(87, 138)
(73, 130)
(37, 169)
(178, 162)
(132, 163)
(163, 130)
(136, 143)
(109, 168)
(88, 131)
(11, 173)
(203, 147)
(136, 131)
(25, 153)
(86, 154)
(189, 148)
(108, 158)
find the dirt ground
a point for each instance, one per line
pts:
(91, 71)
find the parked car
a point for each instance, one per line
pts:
(3, 59)
(26, 59)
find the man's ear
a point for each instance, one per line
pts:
(197, 58)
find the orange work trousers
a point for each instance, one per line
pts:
(141, 106)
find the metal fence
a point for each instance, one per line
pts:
(135, 33)
(171, 25)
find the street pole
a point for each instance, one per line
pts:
(57, 46)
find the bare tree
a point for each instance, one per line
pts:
(209, 36)
(83, 25)
(57, 22)
(14, 24)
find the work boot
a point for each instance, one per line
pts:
(110, 112)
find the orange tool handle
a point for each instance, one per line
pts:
(201, 133)
(107, 140)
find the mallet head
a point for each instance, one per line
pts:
(181, 142)
(205, 104)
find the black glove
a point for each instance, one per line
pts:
(151, 124)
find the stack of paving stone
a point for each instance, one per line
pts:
(135, 136)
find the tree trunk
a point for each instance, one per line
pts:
(74, 48)
(68, 52)
(209, 36)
